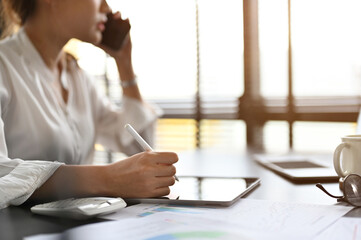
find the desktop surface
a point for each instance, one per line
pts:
(18, 222)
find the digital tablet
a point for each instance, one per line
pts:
(195, 190)
(300, 168)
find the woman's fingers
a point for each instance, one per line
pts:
(165, 171)
(117, 15)
(162, 191)
(165, 182)
(163, 157)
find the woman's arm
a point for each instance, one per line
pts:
(123, 59)
(147, 174)
(134, 110)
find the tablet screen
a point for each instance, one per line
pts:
(205, 190)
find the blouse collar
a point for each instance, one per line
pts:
(32, 55)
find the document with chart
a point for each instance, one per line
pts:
(248, 218)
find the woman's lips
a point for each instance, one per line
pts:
(101, 26)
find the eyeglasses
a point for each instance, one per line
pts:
(351, 189)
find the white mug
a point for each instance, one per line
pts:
(351, 156)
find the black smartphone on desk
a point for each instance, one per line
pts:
(115, 32)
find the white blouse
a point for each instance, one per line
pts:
(39, 131)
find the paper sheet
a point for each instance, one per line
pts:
(156, 227)
(247, 219)
(258, 215)
(345, 228)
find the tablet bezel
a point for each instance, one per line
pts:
(252, 183)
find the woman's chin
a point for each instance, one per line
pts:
(97, 38)
(94, 38)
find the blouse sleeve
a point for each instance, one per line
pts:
(18, 178)
(111, 119)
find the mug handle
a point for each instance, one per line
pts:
(336, 159)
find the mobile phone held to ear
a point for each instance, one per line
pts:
(115, 32)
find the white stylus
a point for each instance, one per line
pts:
(141, 141)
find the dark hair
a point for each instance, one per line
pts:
(15, 13)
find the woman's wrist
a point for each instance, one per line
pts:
(129, 82)
(111, 175)
(126, 72)
(93, 180)
(105, 181)
(104, 188)
(123, 63)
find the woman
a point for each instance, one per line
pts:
(51, 113)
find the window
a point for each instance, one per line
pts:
(182, 50)
(320, 136)
(240, 73)
(326, 50)
(273, 44)
(310, 67)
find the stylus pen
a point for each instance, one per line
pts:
(141, 141)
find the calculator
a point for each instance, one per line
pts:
(80, 208)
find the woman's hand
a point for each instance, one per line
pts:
(147, 174)
(122, 54)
